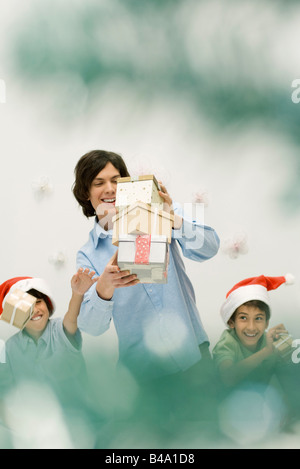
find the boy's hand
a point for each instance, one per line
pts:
(274, 334)
(82, 281)
(112, 278)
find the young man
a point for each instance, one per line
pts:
(158, 326)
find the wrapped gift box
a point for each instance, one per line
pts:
(141, 218)
(18, 308)
(146, 256)
(140, 189)
(284, 345)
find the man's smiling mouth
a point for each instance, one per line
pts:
(108, 201)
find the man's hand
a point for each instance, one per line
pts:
(168, 203)
(112, 278)
(168, 206)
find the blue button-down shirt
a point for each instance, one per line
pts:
(158, 325)
(53, 359)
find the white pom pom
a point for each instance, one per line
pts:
(289, 279)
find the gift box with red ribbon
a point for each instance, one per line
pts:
(146, 256)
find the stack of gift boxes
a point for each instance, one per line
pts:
(142, 230)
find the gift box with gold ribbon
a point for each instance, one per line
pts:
(138, 189)
(283, 345)
(18, 308)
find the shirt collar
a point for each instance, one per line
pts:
(99, 232)
(260, 344)
(26, 338)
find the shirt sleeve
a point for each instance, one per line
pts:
(198, 242)
(95, 314)
(6, 379)
(61, 339)
(2, 352)
(224, 350)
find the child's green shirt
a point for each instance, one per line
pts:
(229, 347)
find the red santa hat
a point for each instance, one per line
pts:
(254, 288)
(24, 284)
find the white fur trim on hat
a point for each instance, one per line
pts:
(240, 296)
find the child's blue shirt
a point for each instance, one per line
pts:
(53, 359)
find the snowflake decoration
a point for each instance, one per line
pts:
(236, 245)
(201, 197)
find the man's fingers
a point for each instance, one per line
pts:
(117, 274)
(162, 186)
(127, 281)
(123, 278)
(111, 269)
(116, 277)
(115, 270)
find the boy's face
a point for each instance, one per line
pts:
(103, 193)
(39, 319)
(250, 324)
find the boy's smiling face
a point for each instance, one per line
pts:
(38, 322)
(250, 324)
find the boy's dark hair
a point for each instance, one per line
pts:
(87, 169)
(258, 304)
(40, 296)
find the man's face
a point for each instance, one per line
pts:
(250, 324)
(103, 194)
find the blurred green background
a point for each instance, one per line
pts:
(231, 62)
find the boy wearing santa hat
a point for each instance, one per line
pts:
(245, 350)
(45, 350)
